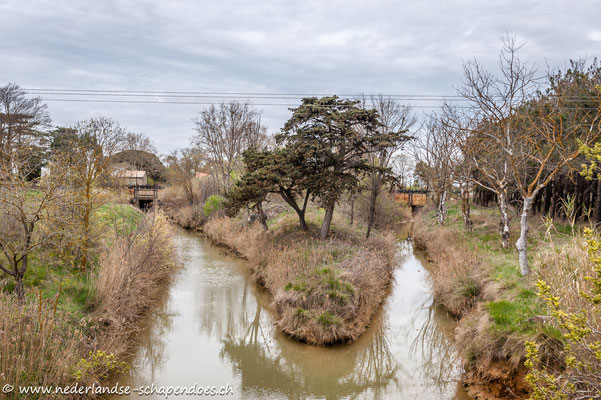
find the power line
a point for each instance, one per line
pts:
(258, 94)
(226, 96)
(202, 103)
(134, 96)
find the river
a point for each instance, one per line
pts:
(214, 328)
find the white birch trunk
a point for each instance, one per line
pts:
(442, 207)
(522, 243)
(504, 222)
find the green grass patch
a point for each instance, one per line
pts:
(124, 218)
(297, 287)
(328, 319)
(512, 316)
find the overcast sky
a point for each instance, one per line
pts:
(338, 47)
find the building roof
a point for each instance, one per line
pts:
(131, 174)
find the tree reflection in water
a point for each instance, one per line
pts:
(367, 366)
(214, 305)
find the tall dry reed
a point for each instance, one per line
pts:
(131, 277)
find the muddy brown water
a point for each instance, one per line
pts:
(214, 327)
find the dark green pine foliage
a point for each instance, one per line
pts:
(333, 135)
(278, 171)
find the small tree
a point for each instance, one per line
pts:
(395, 121)
(24, 208)
(137, 141)
(87, 154)
(182, 166)
(280, 171)
(23, 121)
(437, 156)
(493, 104)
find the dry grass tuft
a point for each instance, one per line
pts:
(458, 276)
(130, 278)
(37, 345)
(565, 268)
(324, 291)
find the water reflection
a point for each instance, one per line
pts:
(215, 327)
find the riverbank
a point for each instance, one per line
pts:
(215, 312)
(324, 292)
(496, 309)
(76, 327)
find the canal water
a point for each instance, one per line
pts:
(214, 328)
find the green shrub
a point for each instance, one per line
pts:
(578, 320)
(212, 205)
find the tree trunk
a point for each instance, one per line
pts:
(85, 238)
(441, 212)
(548, 195)
(554, 196)
(327, 220)
(301, 220)
(19, 289)
(353, 211)
(375, 189)
(300, 212)
(504, 221)
(597, 215)
(579, 197)
(522, 243)
(262, 216)
(465, 207)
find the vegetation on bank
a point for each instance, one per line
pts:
(78, 269)
(498, 310)
(324, 291)
(75, 327)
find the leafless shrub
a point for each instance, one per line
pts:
(389, 215)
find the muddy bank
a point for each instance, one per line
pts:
(493, 361)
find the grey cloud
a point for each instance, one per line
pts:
(270, 46)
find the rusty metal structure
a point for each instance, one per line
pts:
(412, 197)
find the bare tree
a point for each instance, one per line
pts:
(223, 133)
(182, 166)
(24, 208)
(394, 118)
(403, 167)
(463, 167)
(22, 121)
(494, 104)
(137, 141)
(437, 155)
(553, 132)
(87, 156)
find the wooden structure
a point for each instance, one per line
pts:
(411, 197)
(144, 196)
